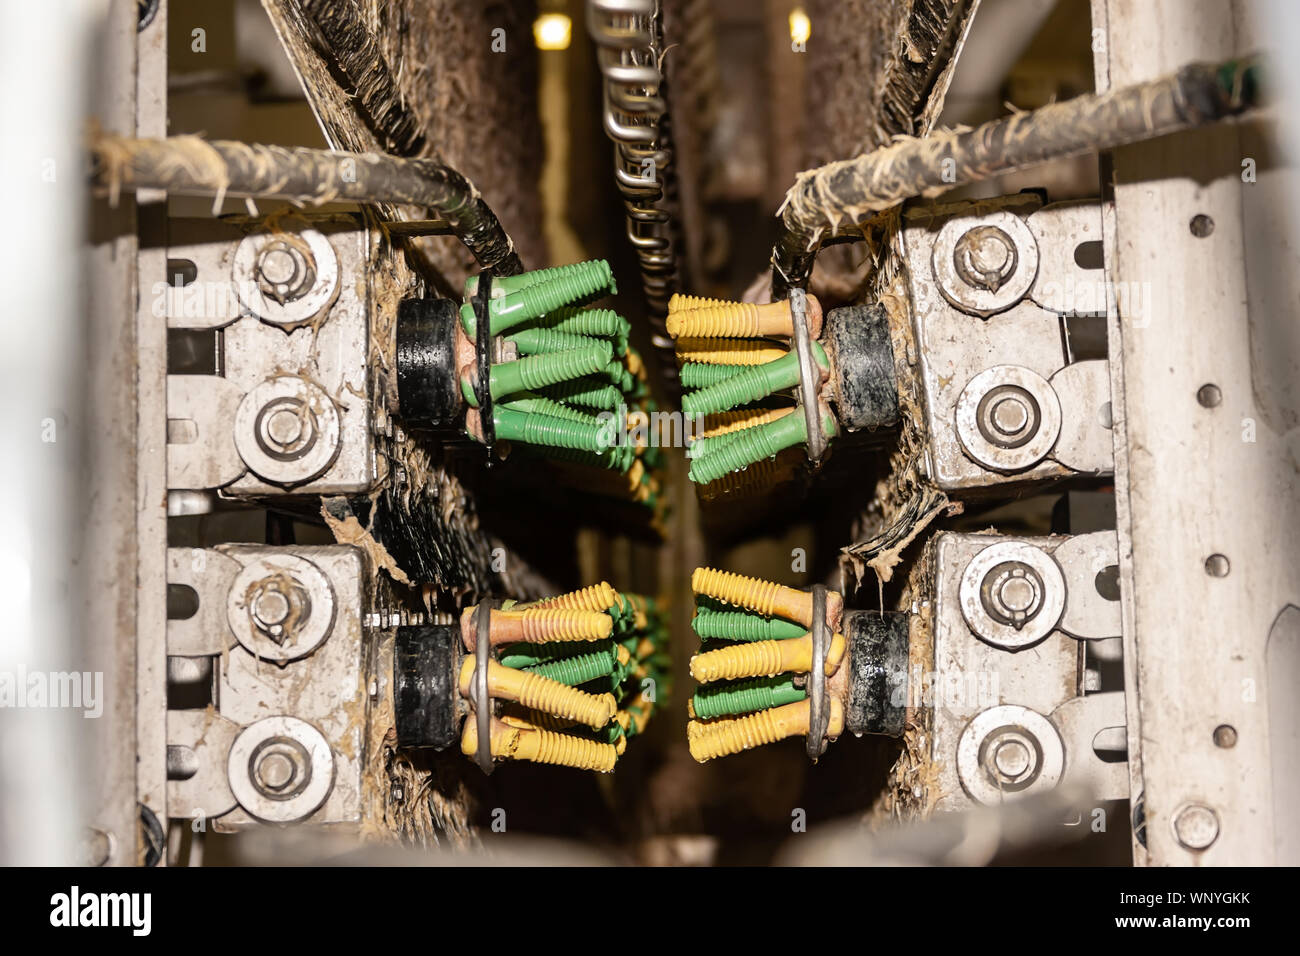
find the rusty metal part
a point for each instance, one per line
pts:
(189, 165)
(853, 190)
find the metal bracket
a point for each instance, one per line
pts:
(809, 376)
(818, 706)
(479, 684)
(483, 348)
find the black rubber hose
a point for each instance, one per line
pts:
(189, 165)
(852, 190)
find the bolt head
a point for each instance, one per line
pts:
(1017, 594)
(284, 271)
(1012, 759)
(1196, 826)
(985, 257)
(1007, 415)
(276, 771)
(277, 266)
(271, 606)
(1012, 593)
(278, 608)
(284, 427)
(1010, 415)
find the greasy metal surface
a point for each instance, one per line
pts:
(317, 423)
(152, 466)
(327, 688)
(971, 676)
(1083, 558)
(949, 272)
(327, 359)
(953, 347)
(210, 574)
(331, 355)
(283, 310)
(108, 595)
(201, 408)
(304, 629)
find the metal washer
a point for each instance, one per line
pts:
(1025, 454)
(993, 631)
(984, 302)
(1050, 752)
(292, 311)
(305, 800)
(324, 417)
(317, 626)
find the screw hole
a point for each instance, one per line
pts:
(1201, 225)
(1088, 255)
(182, 602)
(1107, 582)
(1209, 395)
(1217, 566)
(1225, 736)
(181, 272)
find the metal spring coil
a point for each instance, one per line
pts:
(626, 36)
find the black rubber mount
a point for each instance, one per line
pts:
(428, 385)
(866, 385)
(424, 686)
(878, 648)
(483, 348)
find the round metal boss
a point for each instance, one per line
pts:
(1007, 752)
(280, 769)
(986, 264)
(1008, 418)
(280, 608)
(1012, 595)
(286, 278)
(287, 430)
